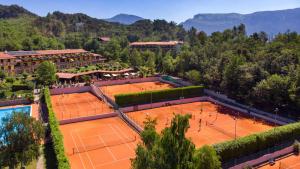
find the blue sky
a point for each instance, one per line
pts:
(175, 10)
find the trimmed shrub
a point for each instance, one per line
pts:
(57, 138)
(17, 87)
(131, 99)
(256, 142)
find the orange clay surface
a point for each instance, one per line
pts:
(291, 162)
(213, 125)
(80, 136)
(35, 110)
(75, 105)
(111, 91)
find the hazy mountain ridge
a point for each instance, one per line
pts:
(271, 22)
(13, 11)
(125, 19)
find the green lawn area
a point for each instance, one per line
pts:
(16, 87)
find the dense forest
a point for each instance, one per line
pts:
(253, 69)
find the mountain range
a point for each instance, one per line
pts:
(271, 22)
(125, 19)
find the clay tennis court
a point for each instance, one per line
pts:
(111, 91)
(75, 105)
(213, 125)
(290, 162)
(100, 144)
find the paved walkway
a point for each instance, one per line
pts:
(40, 163)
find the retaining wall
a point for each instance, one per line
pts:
(70, 90)
(265, 158)
(14, 102)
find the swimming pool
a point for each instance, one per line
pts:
(4, 112)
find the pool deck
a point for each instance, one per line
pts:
(34, 109)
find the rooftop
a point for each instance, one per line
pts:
(4, 55)
(12, 54)
(169, 43)
(104, 39)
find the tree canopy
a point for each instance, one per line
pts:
(171, 149)
(46, 73)
(20, 139)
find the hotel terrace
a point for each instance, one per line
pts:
(174, 46)
(16, 62)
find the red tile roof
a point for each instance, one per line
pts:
(170, 43)
(65, 51)
(4, 55)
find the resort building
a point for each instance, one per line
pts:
(173, 46)
(16, 62)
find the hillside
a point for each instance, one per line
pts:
(272, 22)
(125, 19)
(13, 11)
(61, 30)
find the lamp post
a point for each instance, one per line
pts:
(235, 125)
(276, 113)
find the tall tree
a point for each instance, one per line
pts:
(171, 149)
(46, 73)
(207, 158)
(273, 88)
(20, 140)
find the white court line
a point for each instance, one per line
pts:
(118, 128)
(120, 137)
(108, 149)
(77, 149)
(103, 164)
(86, 153)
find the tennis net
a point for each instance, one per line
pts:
(102, 145)
(221, 130)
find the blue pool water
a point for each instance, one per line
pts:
(6, 111)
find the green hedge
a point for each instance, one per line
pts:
(57, 138)
(254, 143)
(158, 95)
(17, 87)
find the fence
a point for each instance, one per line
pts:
(130, 122)
(176, 81)
(161, 104)
(261, 156)
(14, 102)
(170, 82)
(98, 92)
(222, 99)
(70, 90)
(124, 81)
